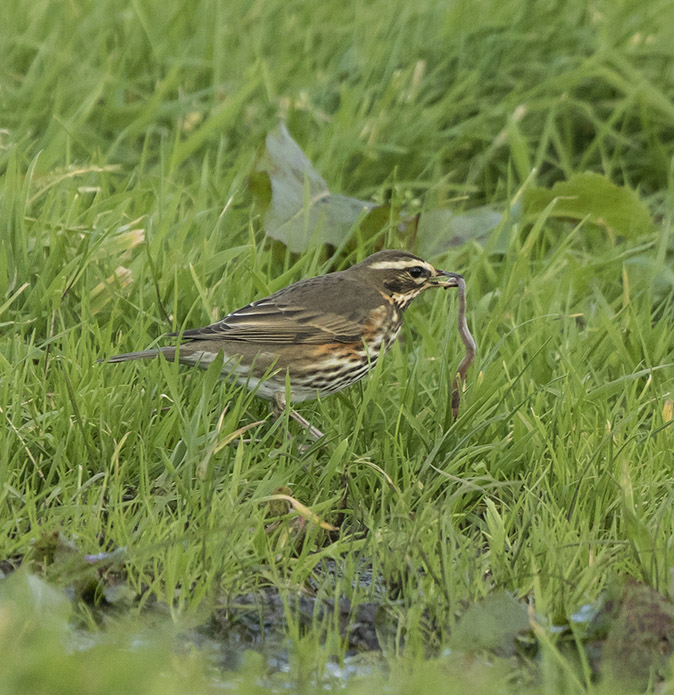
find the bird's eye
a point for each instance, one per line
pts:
(416, 272)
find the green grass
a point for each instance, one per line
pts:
(128, 134)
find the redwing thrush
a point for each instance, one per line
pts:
(326, 332)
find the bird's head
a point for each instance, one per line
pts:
(402, 275)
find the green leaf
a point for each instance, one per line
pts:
(492, 623)
(593, 196)
(34, 596)
(301, 210)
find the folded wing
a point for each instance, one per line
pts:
(285, 317)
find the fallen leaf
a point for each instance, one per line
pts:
(302, 510)
(595, 197)
(300, 209)
(492, 623)
(100, 295)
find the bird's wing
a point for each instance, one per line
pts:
(287, 317)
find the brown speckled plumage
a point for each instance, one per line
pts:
(326, 332)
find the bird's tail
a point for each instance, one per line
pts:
(168, 352)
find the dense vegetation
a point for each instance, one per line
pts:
(515, 549)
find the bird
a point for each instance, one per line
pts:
(324, 333)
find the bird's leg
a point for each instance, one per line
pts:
(313, 431)
(279, 405)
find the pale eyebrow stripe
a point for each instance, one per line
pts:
(399, 265)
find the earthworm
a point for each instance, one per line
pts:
(469, 343)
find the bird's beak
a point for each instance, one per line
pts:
(444, 278)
